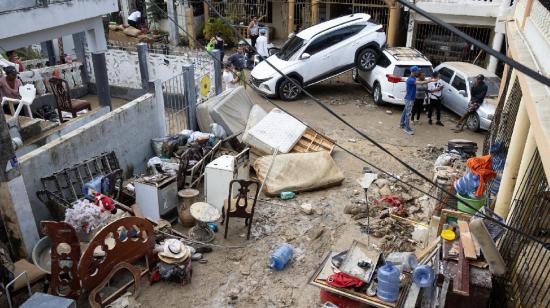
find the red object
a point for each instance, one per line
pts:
(104, 202)
(339, 300)
(481, 166)
(343, 280)
(393, 78)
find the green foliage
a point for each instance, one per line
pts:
(217, 25)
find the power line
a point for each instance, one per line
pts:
(444, 190)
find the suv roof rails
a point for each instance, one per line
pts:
(404, 52)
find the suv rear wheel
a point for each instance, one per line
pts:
(288, 91)
(377, 94)
(366, 59)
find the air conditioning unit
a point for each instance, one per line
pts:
(220, 172)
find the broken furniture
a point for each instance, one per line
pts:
(23, 269)
(242, 205)
(157, 196)
(188, 196)
(204, 214)
(61, 91)
(64, 187)
(191, 171)
(28, 94)
(220, 172)
(126, 240)
(312, 141)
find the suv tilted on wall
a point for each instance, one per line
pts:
(321, 52)
(394, 61)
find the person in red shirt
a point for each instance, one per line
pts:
(12, 57)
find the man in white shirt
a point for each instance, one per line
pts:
(133, 19)
(434, 94)
(228, 77)
(261, 45)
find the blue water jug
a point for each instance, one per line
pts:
(94, 184)
(423, 276)
(388, 283)
(280, 257)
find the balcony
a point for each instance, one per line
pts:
(472, 8)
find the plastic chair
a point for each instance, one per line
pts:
(28, 93)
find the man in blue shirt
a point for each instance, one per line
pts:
(410, 97)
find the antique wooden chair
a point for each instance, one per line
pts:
(61, 91)
(242, 205)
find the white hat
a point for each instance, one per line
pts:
(174, 251)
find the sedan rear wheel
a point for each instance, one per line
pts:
(377, 94)
(473, 122)
(288, 91)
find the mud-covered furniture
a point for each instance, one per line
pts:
(61, 92)
(242, 205)
(125, 241)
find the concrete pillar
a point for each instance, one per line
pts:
(125, 11)
(410, 30)
(513, 160)
(79, 40)
(181, 18)
(172, 23)
(101, 79)
(528, 152)
(143, 65)
(528, 7)
(15, 208)
(497, 45)
(291, 6)
(189, 28)
(47, 46)
(155, 87)
(190, 96)
(207, 13)
(393, 24)
(217, 71)
(314, 12)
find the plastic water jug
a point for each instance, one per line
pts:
(388, 283)
(280, 257)
(405, 261)
(94, 185)
(423, 276)
(467, 184)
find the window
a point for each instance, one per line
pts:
(446, 74)
(459, 83)
(405, 71)
(332, 38)
(290, 47)
(383, 61)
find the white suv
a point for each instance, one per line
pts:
(393, 61)
(320, 52)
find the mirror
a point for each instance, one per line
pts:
(462, 92)
(305, 56)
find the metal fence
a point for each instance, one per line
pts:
(176, 108)
(440, 45)
(527, 281)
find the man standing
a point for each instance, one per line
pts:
(434, 94)
(261, 45)
(133, 19)
(478, 91)
(238, 59)
(253, 29)
(410, 97)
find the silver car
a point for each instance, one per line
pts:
(458, 78)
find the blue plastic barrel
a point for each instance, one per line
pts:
(388, 283)
(280, 257)
(423, 276)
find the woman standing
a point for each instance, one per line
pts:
(421, 90)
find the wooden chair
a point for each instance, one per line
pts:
(241, 205)
(61, 91)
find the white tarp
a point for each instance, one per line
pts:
(276, 130)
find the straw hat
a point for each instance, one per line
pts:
(174, 251)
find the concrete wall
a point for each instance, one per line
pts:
(478, 8)
(127, 131)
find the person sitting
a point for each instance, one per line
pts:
(478, 90)
(134, 18)
(9, 84)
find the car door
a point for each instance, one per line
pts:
(460, 93)
(446, 75)
(317, 57)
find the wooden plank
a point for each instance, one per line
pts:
(424, 252)
(444, 289)
(461, 282)
(466, 240)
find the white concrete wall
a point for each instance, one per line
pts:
(127, 130)
(480, 8)
(123, 68)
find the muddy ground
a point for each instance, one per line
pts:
(241, 277)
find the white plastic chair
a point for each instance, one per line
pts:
(28, 93)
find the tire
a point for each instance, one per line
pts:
(377, 94)
(355, 75)
(473, 122)
(288, 91)
(366, 59)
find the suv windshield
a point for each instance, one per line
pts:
(493, 84)
(404, 70)
(290, 47)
